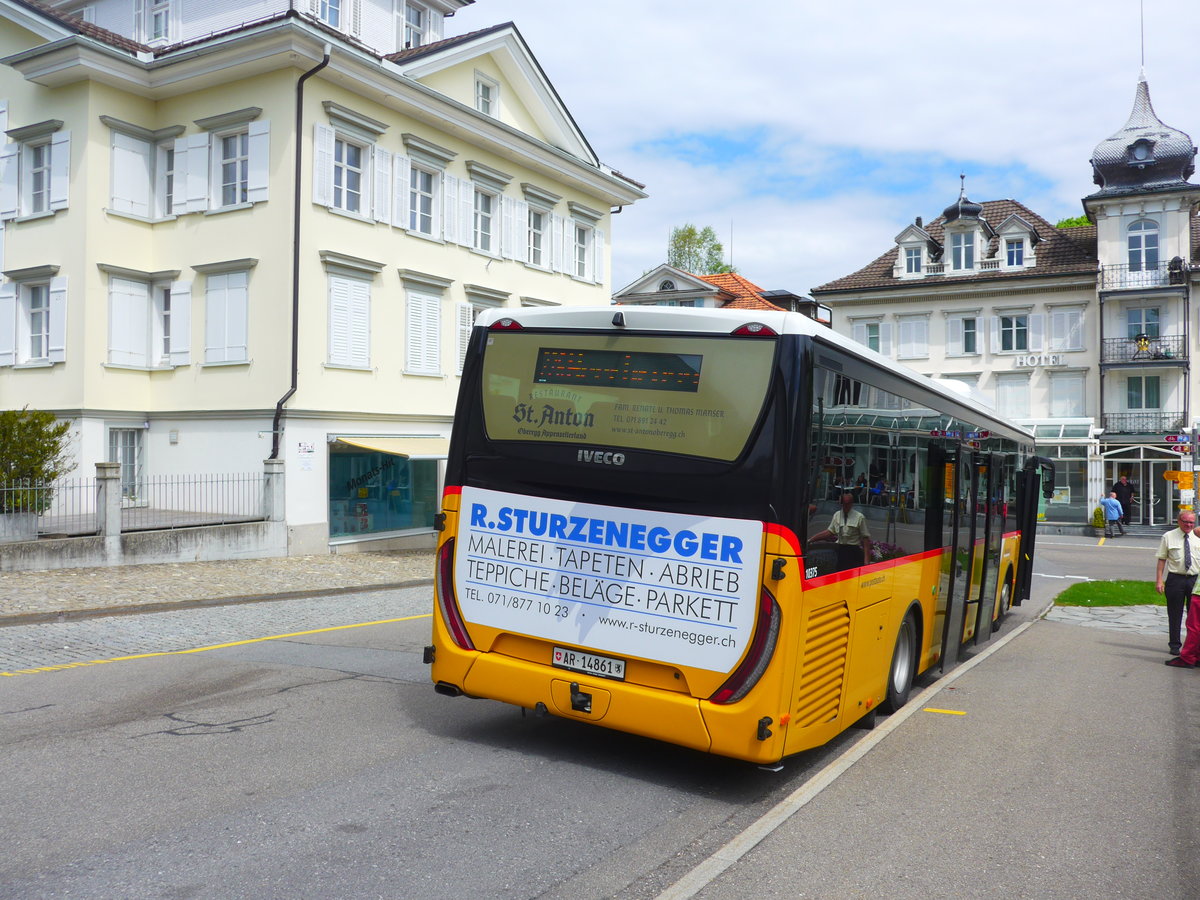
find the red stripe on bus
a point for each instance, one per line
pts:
(785, 533)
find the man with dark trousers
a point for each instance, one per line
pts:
(1124, 491)
(1179, 560)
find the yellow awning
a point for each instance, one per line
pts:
(410, 447)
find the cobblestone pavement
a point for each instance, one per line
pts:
(27, 597)
(1142, 619)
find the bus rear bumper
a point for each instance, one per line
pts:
(649, 712)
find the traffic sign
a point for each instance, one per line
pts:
(1183, 479)
(1177, 438)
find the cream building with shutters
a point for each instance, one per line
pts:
(164, 291)
(1085, 334)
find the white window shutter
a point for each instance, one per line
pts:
(216, 313)
(258, 175)
(360, 324)
(400, 177)
(8, 324)
(995, 320)
(339, 321)
(195, 186)
(128, 310)
(508, 230)
(1074, 331)
(435, 26)
(356, 17)
(237, 307)
(181, 323)
(450, 186)
(466, 213)
(60, 169)
(859, 333)
(954, 337)
(9, 170)
(140, 32)
(131, 170)
(322, 165)
(423, 334)
(1037, 329)
(465, 317)
(885, 338)
(598, 251)
(383, 186)
(555, 222)
(57, 345)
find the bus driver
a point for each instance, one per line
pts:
(849, 529)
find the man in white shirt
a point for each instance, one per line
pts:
(1179, 558)
(849, 529)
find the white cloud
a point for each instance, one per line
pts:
(864, 112)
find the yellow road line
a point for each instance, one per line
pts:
(947, 712)
(274, 637)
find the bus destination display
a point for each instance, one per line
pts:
(617, 368)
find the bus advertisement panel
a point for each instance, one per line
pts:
(661, 586)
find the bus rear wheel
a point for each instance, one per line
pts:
(904, 665)
(1004, 604)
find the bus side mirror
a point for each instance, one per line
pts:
(1048, 488)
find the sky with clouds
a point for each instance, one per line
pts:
(809, 134)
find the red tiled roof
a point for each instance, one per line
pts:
(410, 53)
(1060, 251)
(76, 24)
(744, 294)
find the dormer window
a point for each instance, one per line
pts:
(1141, 152)
(487, 92)
(416, 24)
(962, 250)
(912, 260)
(1014, 252)
(667, 285)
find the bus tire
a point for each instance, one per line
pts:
(904, 665)
(1004, 603)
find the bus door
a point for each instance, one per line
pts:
(962, 557)
(989, 528)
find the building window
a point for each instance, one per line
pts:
(1142, 392)
(232, 168)
(1143, 245)
(349, 322)
(537, 237)
(423, 333)
(1014, 252)
(422, 200)
(872, 334)
(1012, 395)
(487, 92)
(970, 343)
(1014, 333)
(962, 250)
(37, 176)
(143, 176)
(372, 492)
(37, 304)
(1066, 329)
(148, 322)
(349, 162)
(125, 448)
(34, 170)
(33, 318)
(582, 267)
(331, 12)
(1143, 320)
(1066, 394)
(484, 222)
(158, 21)
(912, 260)
(226, 315)
(416, 24)
(913, 334)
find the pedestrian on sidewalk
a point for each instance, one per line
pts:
(1189, 655)
(1112, 514)
(1179, 558)
(1125, 492)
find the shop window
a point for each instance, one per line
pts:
(373, 493)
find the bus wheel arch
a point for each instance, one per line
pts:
(1004, 601)
(902, 671)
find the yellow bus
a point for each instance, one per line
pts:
(637, 511)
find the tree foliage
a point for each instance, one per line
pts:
(33, 446)
(1073, 222)
(696, 250)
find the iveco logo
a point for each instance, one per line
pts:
(601, 457)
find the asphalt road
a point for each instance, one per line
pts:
(323, 765)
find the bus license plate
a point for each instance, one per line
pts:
(578, 661)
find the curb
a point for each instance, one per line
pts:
(41, 618)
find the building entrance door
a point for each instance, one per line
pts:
(1155, 499)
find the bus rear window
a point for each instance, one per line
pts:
(694, 395)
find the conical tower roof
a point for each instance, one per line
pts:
(1146, 154)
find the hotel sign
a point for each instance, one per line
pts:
(1042, 360)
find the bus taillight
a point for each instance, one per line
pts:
(506, 324)
(762, 648)
(754, 329)
(447, 603)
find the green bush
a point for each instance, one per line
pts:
(1097, 517)
(33, 453)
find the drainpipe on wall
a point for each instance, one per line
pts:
(277, 422)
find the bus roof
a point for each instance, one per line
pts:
(726, 321)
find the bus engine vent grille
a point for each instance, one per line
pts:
(823, 673)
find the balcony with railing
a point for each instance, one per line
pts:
(1143, 276)
(1142, 348)
(1150, 421)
